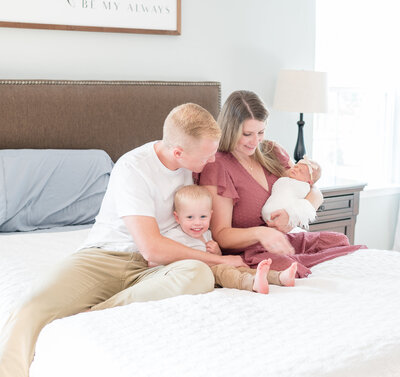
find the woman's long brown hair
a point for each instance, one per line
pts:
(239, 107)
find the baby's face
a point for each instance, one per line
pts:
(194, 218)
(300, 172)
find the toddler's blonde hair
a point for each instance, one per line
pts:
(189, 194)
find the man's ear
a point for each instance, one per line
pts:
(177, 152)
(176, 217)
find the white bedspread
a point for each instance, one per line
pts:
(344, 320)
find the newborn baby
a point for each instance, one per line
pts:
(288, 193)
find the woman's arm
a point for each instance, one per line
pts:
(315, 197)
(280, 218)
(237, 238)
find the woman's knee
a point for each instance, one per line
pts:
(333, 239)
(341, 240)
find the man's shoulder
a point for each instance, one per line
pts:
(138, 158)
(139, 153)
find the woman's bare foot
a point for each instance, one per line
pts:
(287, 276)
(260, 278)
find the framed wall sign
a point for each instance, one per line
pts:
(119, 16)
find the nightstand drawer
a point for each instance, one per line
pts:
(340, 226)
(336, 204)
(338, 212)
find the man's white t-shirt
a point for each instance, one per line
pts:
(139, 185)
(178, 235)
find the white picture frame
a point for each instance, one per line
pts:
(118, 16)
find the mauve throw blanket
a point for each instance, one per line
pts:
(233, 181)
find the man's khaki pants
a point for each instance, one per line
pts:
(97, 279)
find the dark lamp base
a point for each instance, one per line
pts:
(300, 149)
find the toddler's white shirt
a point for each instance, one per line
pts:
(178, 235)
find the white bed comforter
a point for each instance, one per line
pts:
(344, 320)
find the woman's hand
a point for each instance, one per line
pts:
(274, 241)
(213, 248)
(280, 221)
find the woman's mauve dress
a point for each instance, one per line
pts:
(233, 181)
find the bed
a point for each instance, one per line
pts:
(341, 321)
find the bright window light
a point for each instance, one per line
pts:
(357, 43)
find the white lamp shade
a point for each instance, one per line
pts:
(301, 91)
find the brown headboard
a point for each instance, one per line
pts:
(115, 116)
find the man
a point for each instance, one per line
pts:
(112, 267)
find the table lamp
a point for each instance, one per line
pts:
(301, 92)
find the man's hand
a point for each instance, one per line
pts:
(233, 260)
(213, 248)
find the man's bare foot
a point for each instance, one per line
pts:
(260, 279)
(287, 276)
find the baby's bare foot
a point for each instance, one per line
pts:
(260, 279)
(287, 276)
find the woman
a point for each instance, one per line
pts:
(240, 181)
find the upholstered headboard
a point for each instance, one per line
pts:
(115, 116)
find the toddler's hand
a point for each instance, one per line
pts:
(213, 248)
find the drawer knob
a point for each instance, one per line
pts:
(321, 208)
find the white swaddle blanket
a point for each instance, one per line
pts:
(288, 194)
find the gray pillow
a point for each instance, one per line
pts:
(47, 188)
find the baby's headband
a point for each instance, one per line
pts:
(311, 165)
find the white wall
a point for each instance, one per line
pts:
(377, 220)
(242, 44)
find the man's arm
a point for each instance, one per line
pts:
(158, 249)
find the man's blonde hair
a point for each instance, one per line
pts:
(189, 122)
(189, 194)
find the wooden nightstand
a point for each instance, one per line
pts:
(338, 212)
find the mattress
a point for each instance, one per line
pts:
(343, 320)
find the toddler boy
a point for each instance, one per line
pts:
(193, 211)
